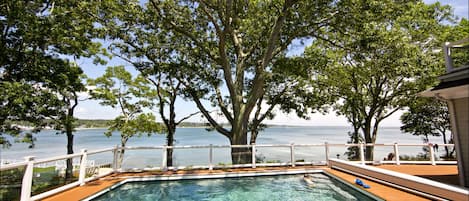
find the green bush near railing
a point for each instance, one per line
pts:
(10, 184)
(300, 160)
(419, 157)
(48, 178)
(45, 179)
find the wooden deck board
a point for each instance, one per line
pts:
(386, 192)
(82, 192)
(380, 190)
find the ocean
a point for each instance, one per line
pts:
(50, 144)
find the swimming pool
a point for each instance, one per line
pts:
(282, 187)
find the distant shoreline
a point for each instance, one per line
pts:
(194, 126)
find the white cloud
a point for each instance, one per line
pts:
(91, 109)
(330, 119)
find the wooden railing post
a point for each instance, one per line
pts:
(210, 157)
(83, 161)
(253, 152)
(396, 154)
(292, 154)
(27, 182)
(164, 159)
(362, 154)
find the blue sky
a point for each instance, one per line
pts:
(89, 109)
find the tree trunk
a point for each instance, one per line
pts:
(369, 153)
(447, 151)
(69, 131)
(68, 124)
(354, 152)
(69, 169)
(242, 155)
(254, 133)
(122, 151)
(368, 139)
(170, 142)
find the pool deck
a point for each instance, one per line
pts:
(441, 173)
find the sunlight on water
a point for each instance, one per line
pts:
(50, 144)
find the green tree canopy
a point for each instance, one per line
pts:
(138, 39)
(225, 51)
(38, 40)
(132, 96)
(429, 117)
(380, 61)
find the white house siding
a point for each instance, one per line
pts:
(460, 123)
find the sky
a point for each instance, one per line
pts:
(90, 109)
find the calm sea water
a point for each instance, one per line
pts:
(51, 144)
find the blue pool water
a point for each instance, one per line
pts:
(268, 188)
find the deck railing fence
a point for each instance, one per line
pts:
(100, 170)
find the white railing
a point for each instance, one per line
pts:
(447, 52)
(30, 162)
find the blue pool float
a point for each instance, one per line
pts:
(360, 183)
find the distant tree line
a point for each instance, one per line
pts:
(103, 123)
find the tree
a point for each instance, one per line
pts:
(137, 39)
(381, 59)
(226, 51)
(65, 121)
(428, 117)
(39, 38)
(117, 88)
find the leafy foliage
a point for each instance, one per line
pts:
(380, 61)
(459, 55)
(117, 88)
(226, 52)
(428, 117)
(140, 41)
(37, 38)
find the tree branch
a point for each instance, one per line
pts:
(183, 31)
(187, 117)
(75, 99)
(161, 99)
(390, 113)
(121, 103)
(222, 105)
(272, 106)
(207, 115)
(259, 78)
(223, 55)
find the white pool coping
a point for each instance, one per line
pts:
(414, 184)
(227, 175)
